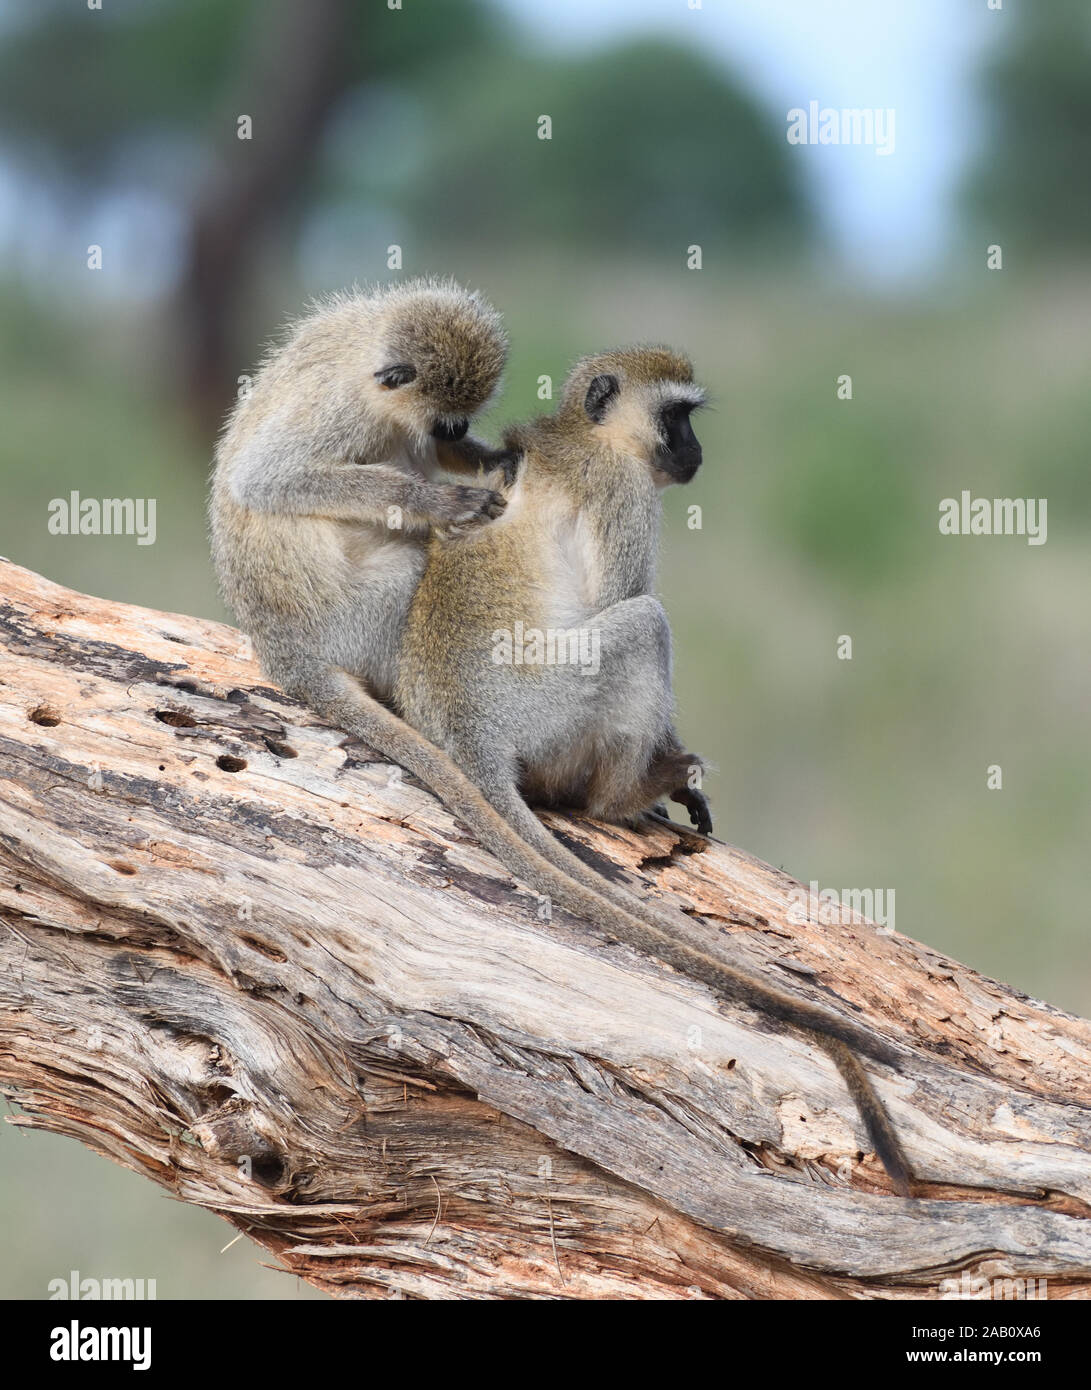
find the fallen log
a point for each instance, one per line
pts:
(243, 956)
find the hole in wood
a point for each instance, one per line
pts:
(226, 762)
(45, 715)
(176, 718)
(282, 750)
(120, 866)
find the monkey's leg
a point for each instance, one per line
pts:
(622, 707)
(630, 754)
(643, 758)
(677, 775)
(622, 714)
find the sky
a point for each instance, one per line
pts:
(891, 216)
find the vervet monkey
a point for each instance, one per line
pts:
(325, 489)
(575, 547)
(573, 557)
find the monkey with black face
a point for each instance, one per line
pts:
(575, 551)
(325, 489)
(578, 548)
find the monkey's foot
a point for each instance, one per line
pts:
(696, 803)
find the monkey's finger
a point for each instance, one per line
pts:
(700, 813)
(669, 824)
(471, 521)
(509, 466)
(489, 508)
(702, 820)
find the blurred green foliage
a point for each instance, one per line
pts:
(1033, 185)
(649, 142)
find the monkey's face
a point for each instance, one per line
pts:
(649, 421)
(442, 362)
(430, 400)
(678, 455)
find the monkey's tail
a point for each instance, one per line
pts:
(739, 985)
(677, 945)
(877, 1122)
(518, 842)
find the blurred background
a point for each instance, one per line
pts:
(417, 127)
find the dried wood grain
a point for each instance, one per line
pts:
(243, 956)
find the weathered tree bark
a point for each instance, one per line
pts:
(241, 956)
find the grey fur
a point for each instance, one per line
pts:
(325, 488)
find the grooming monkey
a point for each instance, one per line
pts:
(578, 545)
(325, 490)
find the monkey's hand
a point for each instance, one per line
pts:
(696, 803)
(456, 506)
(505, 462)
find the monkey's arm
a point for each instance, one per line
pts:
(362, 492)
(471, 455)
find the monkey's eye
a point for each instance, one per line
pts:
(401, 375)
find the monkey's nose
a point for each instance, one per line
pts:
(450, 430)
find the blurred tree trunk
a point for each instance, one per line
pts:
(289, 88)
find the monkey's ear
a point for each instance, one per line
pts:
(599, 395)
(396, 376)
